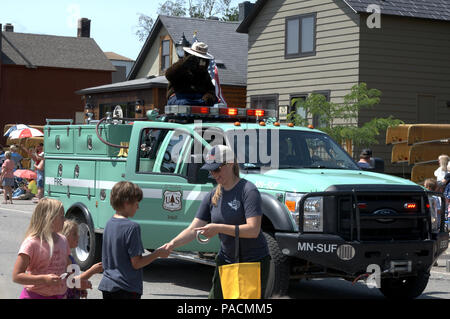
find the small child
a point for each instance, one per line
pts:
(122, 246)
(42, 257)
(70, 230)
(431, 184)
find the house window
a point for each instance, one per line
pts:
(295, 102)
(317, 121)
(300, 36)
(297, 99)
(269, 102)
(165, 53)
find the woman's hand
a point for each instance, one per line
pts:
(209, 230)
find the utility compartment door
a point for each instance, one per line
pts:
(58, 139)
(70, 177)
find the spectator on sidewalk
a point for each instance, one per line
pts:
(16, 157)
(364, 158)
(39, 167)
(443, 167)
(29, 190)
(7, 177)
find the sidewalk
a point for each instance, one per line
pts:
(441, 268)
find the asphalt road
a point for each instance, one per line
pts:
(175, 279)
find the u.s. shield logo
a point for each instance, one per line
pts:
(172, 200)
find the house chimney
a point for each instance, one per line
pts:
(8, 27)
(244, 9)
(84, 28)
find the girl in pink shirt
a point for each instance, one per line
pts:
(7, 177)
(43, 256)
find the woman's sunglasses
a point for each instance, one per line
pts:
(217, 170)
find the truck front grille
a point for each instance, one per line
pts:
(381, 218)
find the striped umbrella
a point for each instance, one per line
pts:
(25, 132)
(15, 127)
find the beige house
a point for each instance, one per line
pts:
(297, 47)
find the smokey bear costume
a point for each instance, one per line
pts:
(189, 80)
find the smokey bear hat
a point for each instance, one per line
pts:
(199, 49)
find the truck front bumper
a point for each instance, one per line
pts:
(333, 252)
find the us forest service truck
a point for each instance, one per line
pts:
(322, 215)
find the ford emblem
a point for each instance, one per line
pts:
(385, 212)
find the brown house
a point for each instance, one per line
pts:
(146, 85)
(39, 75)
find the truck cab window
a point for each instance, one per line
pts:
(173, 154)
(150, 143)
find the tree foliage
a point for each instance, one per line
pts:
(360, 97)
(201, 9)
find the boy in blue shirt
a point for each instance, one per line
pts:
(122, 248)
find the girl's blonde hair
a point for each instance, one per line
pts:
(218, 192)
(69, 226)
(42, 219)
(443, 161)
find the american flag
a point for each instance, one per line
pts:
(214, 73)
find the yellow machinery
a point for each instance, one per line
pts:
(419, 145)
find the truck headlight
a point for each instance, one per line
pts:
(291, 201)
(313, 214)
(434, 213)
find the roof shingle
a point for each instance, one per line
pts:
(425, 9)
(39, 50)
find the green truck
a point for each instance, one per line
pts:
(322, 215)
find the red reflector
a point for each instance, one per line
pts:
(410, 205)
(199, 110)
(362, 205)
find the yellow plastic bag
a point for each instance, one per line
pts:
(241, 280)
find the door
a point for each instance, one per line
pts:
(170, 202)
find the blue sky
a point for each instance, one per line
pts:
(113, 22)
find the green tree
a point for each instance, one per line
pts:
(201, 9)
(338, 119)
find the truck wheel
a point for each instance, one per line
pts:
(404, 288)
(89, 249)
(279, 273)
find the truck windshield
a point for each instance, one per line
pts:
(287, 149)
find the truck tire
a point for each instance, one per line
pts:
(89, 249)
(279, 273)
(404, 288)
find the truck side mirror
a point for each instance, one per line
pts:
(195, 175)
